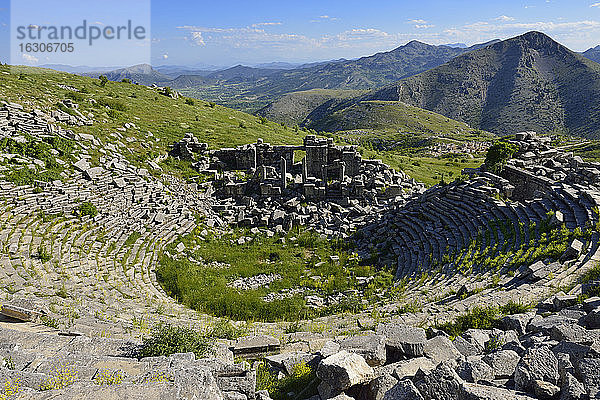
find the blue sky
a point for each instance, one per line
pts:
(229, 32)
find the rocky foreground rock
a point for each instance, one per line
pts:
(534, 355)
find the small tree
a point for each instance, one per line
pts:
(103, 80)
(498, 155)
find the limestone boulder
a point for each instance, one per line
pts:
(402, 341)
(344, 370)
(370, 347)
(403, 390)
(503, 362)
(538, 364)
(439, 383)
(440, 348)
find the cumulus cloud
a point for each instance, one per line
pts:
(504, 18)
(266, 24)
(421, 24)
(30, 59)
(251, 37)
(595, 5)
(165, 56)
(323, 18)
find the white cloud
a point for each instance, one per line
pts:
(323, 18)
(595, 5)
(266, 24)
(98, 23)
(165, 56)
(248, 37)
(197, 38)
(538, 26)
(30, 59)
(504, 18)
(420, 23)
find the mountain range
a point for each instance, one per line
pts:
(529, 82)
(250, 88)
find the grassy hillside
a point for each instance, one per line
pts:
(301, 108)
(389, 116)
(160, 120)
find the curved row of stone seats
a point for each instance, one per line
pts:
(89, 258)
(447, 219)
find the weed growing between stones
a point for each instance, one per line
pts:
(481, 318)
(43, 254)
(106, 377)
(224, 329)
(62, 377)
(591, 276)
(301, 382)
(10, 388)
(87, 208)
(50, 322)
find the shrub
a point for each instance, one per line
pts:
(75, 96)
(263, 120)
(167, 91)
(112, 104)
(103, 80)
(167, 339)
(87, 208)
(114, 114)
(126, 80)
(481, 318)
(190, 102)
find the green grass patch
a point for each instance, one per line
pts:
(302, 261)
(132, 238)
